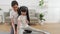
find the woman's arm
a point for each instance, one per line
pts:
(12, 24)
(18, 25)
(12, 20)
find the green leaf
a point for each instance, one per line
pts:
(41, 3)
(41, 16)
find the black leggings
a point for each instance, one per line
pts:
(15, 26)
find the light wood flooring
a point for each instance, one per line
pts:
(53, 28)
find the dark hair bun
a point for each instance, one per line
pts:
(14, 3)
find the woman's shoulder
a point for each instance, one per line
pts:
(12, 11)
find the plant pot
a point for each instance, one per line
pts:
(41, 22)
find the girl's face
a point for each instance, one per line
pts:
(23, 13)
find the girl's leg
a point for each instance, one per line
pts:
(31, 28)
(21, 31)
(28, 31)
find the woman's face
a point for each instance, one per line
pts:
(15, 7)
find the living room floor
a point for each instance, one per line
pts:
(53, 28)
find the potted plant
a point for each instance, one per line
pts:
(41, 2)
(41, 17)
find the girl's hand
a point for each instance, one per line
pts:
(27, 21)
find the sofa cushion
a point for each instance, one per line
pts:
(32, 13)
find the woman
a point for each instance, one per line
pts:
(14, 16)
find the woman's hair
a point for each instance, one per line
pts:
(14, 3)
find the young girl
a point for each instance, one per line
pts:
(27, 15)
(23, 23)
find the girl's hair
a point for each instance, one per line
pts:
(24, 8)
(14, 3)
(27, 14)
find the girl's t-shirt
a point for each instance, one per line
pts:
(22, 20)
(14, 15)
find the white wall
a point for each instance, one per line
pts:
(52, 10)
(5, 6)
(31, 4)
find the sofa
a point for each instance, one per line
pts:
(7, 17)
(33, 16)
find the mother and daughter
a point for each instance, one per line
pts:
(20, 21)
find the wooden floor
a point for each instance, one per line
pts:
(53, 28)
(4, 27)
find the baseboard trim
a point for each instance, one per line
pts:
(51, 22)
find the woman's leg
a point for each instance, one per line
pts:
(12, 30)
(15, 28)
